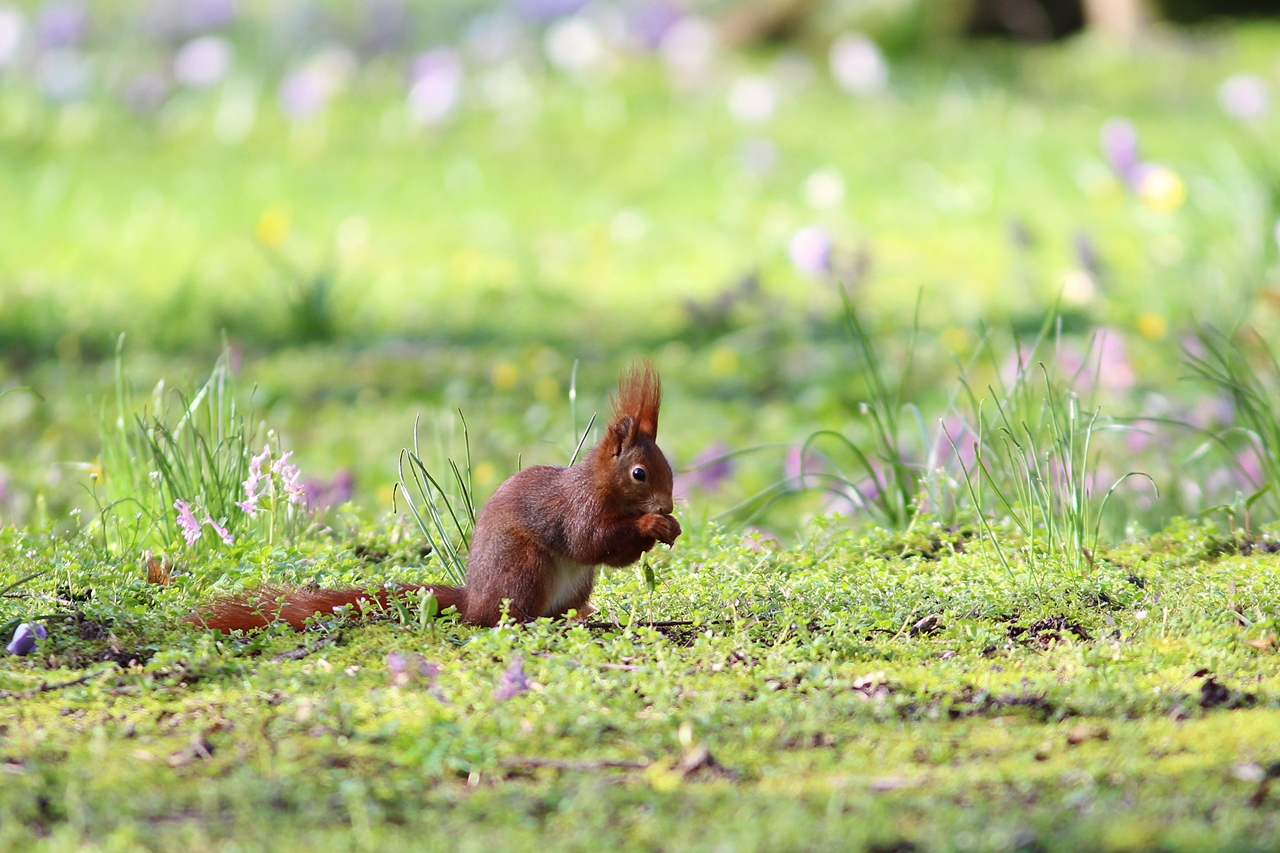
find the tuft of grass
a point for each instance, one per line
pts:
(879, 476)
(184, 447)
(444, 508)
(1224, 362)
(1035, 460)
(191, 447)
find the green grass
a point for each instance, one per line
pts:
(973, 684)
(1058, 716)
(481, 293)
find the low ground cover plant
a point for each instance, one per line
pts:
(970, 396)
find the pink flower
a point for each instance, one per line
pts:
(708, 471)
(956, 441)
(806, 472)
(513, 681)
(250, 503)
(437, 86)
(288, 475)
(222, 532)
(810, 250)
(187, 521)
(1120, 147)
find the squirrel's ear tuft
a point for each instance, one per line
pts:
(640, 396)
(621, 434)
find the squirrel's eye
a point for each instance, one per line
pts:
(638, 474)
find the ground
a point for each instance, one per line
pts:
(834, 694)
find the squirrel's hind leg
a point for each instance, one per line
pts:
(516, 572)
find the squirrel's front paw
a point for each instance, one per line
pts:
(664, 528)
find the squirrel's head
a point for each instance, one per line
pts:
(639, 475)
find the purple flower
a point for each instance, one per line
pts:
(956, 441)
(688, 49)
(1115, 371)
(175, 21)
(25, 638)
(302, 94)
(810, 250)
(1120, 148)
(187, 521)
(404, 671)
(1137, 439)
(196, 16)
(548, 10)
(321, 493)
(1250, 465)
(711, 467)
(202, 62)
(288, 475)
(1244, 96)
(62, 23)
(652, 20)
(250, 503)
(222, 532)
(805, 472)
(437, 86)
(513, 681)
(306, 90)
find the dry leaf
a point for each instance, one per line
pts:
(159, 570)
(1263, 644)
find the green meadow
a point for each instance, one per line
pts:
(969, 387)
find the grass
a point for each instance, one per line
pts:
(995, 652)
(1126, 710)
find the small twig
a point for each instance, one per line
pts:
(676, 624)
(46, 687)
(62, 601)
(303, 651)
(563, 764)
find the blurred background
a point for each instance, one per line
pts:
(388, 209)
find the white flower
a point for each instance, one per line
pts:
(857, 64)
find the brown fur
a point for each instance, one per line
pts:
(538, 540)
(640, 396)
(298, 604)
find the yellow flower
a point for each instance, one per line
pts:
(272, 227)
(504, 376)
(724, 361)
(485, 474)
(1152, 326)
(1162, 190)
(547, 389)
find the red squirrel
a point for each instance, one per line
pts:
(539, 539)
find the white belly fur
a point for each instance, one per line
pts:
(568, 581)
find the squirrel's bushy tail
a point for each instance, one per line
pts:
(298, 604)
